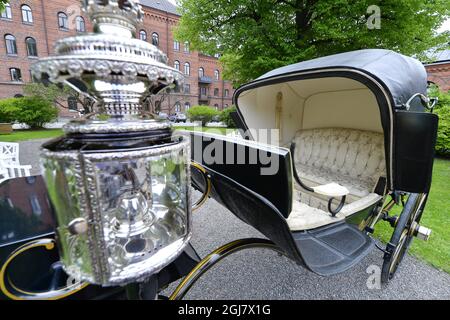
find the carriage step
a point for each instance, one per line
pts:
(333, 249)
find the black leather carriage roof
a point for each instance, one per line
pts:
(402, 76)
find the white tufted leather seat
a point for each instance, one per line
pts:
(352, 158)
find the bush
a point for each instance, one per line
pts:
(33, 111)
(443, 138)
(225, 117)
(202, 113)
(442, 109)
(8, 110)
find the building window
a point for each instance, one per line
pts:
(31, 47)
(35, 205)
(155, 39)
(27, 14)
(80, 24)
(176, 65)
(187, 69)
(72, 103)
(227, 92)
(177, 107)
(63, 22)
(16, 74)
(11, 45)
(6, 13)
(216, 106)
(143, 35)
(217, 55)
(203, 91)
(216, 75)
(201, 72)
(216, 92)
(187, 88)
(186, 47)
(187, 106)
(176, 45)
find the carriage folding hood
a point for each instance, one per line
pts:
(119, 180)
(364, 90)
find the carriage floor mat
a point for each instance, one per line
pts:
(332, 249)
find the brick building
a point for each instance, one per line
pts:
(439, 70)
(29, 29)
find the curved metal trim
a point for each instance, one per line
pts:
(20, 294)
(215, 257)
(207, 192)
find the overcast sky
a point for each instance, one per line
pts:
(445, 26)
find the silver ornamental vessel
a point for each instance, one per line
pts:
(119, 180)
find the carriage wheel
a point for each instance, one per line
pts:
(402, 236)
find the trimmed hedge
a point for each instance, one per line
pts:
(225, 117)
(204, 114)
(33, 111)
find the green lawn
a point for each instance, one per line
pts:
(436, 251)
(23, 135)
(217, 130)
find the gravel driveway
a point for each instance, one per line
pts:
(262, 274)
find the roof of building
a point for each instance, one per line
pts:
(162, 5)
(438, 56)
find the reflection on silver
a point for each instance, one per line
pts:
(123, 214)
(137, 204)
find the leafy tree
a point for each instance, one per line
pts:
(56, 94)
(255, 36)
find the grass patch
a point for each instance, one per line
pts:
(436, 216)
(24, 135)
(216, 130)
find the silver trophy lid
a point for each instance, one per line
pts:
(116, 70)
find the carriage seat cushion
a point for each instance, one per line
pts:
(352, 158)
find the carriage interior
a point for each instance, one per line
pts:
(335, 124)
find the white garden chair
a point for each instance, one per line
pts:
(10, 166)
(9, 153)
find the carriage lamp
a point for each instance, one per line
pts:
(119, 179)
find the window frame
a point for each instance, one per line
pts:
(176, 65)
(176, 45)
(187, 69)
(155, 35)
(27, 44)
(201, 72)
(62, 17)
(10, 43)
(7, 12)
(187, 48)
(27, 14)
(216, 75)
(80, 21)
(18, 72)
(142, 33)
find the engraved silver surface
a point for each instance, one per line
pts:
(137, 204)
(123, 214)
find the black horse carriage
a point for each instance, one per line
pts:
(329, 147)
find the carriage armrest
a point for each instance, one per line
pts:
(332, 190)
